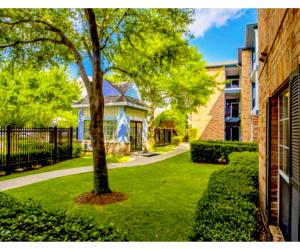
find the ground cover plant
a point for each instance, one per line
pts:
(161, 202)
(227, 211)
(29, 221)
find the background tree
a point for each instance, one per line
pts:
(36, 98)
(168, 71)
(51, 36)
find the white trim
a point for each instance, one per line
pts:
(112, 104)
(284, 176)
(80, 105)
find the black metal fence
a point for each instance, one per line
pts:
(163, 136)
(27, 148)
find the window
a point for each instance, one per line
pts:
(283, 162)
(284, 132)
(233, 83)
(253, 90)
(86, 130)
(110, 130)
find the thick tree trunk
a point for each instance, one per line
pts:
(101, 185)
(96, 99)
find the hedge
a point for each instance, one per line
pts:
(227, 211)
(218, 151)
(176, 140)
(29, 221)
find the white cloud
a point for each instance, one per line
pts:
(205, 19)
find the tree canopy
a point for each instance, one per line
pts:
(36, 98)
(168, 71)
(44, 37)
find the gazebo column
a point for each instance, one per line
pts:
(80, 125)
(123, 131)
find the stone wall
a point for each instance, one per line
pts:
(209, 119)
(279, 41)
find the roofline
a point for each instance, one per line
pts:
(222, 64)
(249, 35)
(128, 104)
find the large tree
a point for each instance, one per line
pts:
(71, 35)
(36, 98)
(168, 71)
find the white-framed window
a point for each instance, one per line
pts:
(110, 128)
(233, 83)
(284, 133)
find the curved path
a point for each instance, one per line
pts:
(138, 161)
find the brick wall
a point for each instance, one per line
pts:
(279, 38)
(246, 96)
(254, 128)
(209, 119)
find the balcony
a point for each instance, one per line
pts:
(232, 87)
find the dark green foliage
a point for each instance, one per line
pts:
(76, 149)
(176, 140)
(246, 160)
(29, 221)
(227, 211)
(218, 151)
(42, 154)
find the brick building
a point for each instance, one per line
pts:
(232, 111)
(279, 149)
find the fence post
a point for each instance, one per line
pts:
(8, 153)
(55, 145)
(71, 142)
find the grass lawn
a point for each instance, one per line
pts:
(85, 160)
(161, 204)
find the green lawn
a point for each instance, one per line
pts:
(161, 204)
(85, 160)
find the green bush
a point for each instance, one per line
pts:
(176, 140)
(217, 151)
(193, 132)
(29, 221)
(228, 209)
(246, 160)
(76, 149)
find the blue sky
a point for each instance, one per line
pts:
(220, 32)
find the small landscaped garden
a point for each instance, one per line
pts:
(161, 204)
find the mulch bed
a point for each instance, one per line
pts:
(104, 199)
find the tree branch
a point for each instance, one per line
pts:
(114, 30)
(16, 43)
(64, 40)
(106, 18)
(119, 69)
(87, 48)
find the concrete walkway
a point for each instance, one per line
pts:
(138, 161)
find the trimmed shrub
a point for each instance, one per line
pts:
(28, 221)
(228, 208)
(176, 140)
(217, 151)
(193, 132)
